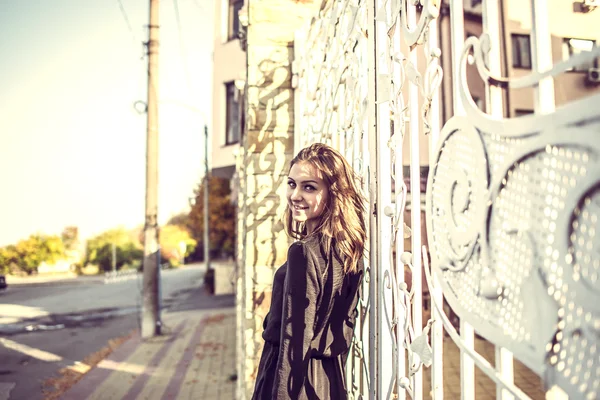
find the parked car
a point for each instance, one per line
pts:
(3, 284)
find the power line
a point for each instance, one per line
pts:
(199, 6)
(181, 46)
(126, 18)
(143, 57)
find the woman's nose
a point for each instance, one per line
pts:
(295, 194)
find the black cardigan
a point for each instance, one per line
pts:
(304, 357)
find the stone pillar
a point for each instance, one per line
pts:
(262, 167)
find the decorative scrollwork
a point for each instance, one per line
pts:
(331, 72)
(526, 125)
(523, 287)
(481, 46)
(513, 204)
(460, 194)
(398, 10)
(332, 85)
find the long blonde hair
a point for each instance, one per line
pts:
(343, 221)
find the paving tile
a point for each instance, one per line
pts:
(208, 374)
(195, 361)
(156, 386)
(119, 382)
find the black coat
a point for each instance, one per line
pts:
(304, 357)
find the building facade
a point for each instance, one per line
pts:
(573, 27)
(229, 75)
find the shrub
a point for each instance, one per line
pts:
(175, 244)
(28, 254)
(100, 250)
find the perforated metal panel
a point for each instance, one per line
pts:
(514, 208)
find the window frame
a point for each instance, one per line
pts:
(516, 45)
(521, 112)
(233, 20)
(230, 103)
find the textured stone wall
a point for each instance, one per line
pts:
(262, 168)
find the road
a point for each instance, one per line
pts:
(46, 328)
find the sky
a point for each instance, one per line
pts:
(72, 145)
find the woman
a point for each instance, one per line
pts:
(309, 327)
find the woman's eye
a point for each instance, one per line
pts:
(309, 188)
(291, 184)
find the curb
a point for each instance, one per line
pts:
(61, 282)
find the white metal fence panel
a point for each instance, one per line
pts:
(506, 199)
(331, 107)
(512, 204)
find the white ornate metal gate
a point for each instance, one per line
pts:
(513, 204)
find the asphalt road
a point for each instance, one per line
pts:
(46, 328)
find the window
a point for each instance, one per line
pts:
(233, 21)
(521, 51)
(572, 47)
(233, 123)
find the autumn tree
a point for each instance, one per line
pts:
(176, 243)
(221, 219)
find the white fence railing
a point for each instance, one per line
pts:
(513, 204)
(332, 91)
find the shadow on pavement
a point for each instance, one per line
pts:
(201, 299)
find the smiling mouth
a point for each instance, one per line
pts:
(298, 208)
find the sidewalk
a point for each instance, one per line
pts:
(194, 359)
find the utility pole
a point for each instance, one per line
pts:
(151, 304)
(114, 257)
(206, 211)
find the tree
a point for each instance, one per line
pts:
(28, 254)
(221, 219)
(127, 250)
(180, 219)
(174, 239)
(9, 259)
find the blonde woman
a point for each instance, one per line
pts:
(308, 330)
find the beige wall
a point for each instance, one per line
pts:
(229, 62)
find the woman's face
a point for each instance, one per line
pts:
(307, 194)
